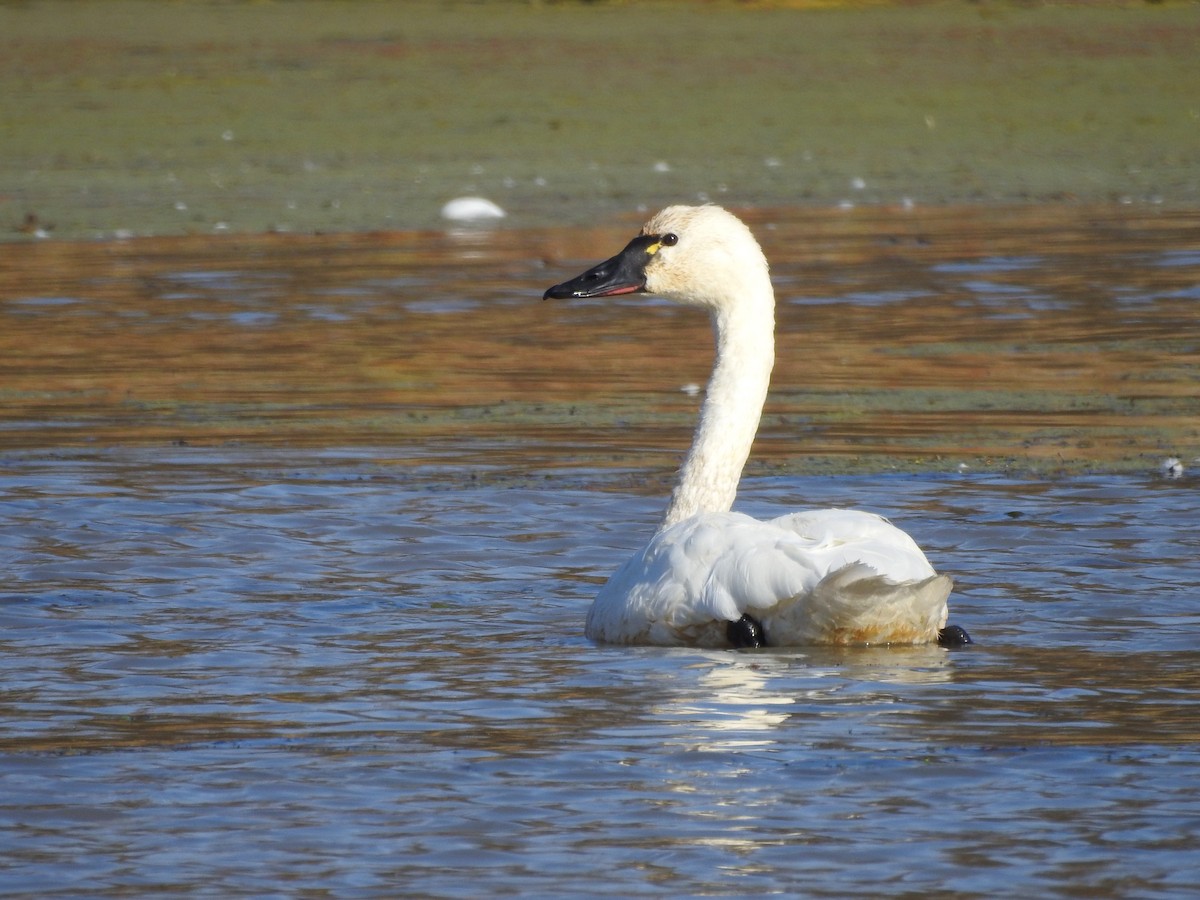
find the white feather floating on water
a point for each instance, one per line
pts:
(471, 209)
(1172, 467)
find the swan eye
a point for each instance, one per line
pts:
(670, 240)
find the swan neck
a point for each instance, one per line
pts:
(729, 416)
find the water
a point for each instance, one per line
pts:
(292, 602)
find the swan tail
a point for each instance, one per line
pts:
(855, 605)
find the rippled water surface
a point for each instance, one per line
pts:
(298, 536)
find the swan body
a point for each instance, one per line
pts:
(710, 577)
(827, 576)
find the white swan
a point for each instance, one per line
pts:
(714, 578)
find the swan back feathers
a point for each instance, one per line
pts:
(826, 576)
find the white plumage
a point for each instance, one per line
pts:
(818, 577)
(815, 577)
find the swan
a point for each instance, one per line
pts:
(710, 577)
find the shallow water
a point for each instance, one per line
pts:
(298, 538)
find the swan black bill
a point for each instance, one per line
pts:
(624, 273)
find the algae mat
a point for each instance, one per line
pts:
(148, 118)
(1033, 339)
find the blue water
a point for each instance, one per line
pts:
(297, 537)
(261, 672)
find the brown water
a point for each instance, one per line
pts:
(1044, 338)
(299, 533)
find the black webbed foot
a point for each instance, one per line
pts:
(953, 636)
(747, 632)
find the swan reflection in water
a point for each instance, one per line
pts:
(753, 701)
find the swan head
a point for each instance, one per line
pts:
(698, 255)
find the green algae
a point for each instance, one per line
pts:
(135, 117)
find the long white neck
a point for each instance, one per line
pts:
(733, 403)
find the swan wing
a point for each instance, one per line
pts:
(828, 576)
